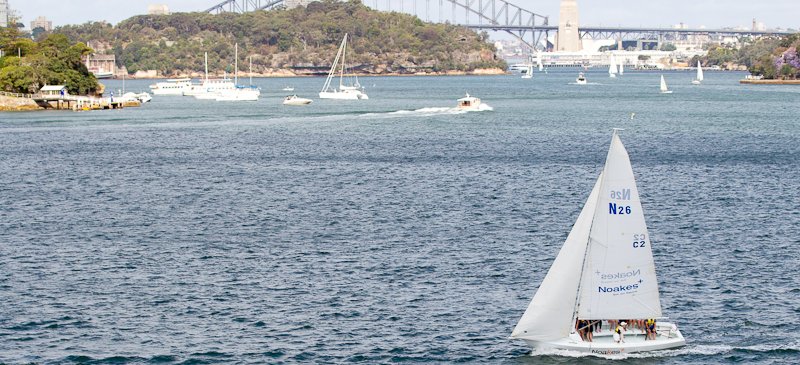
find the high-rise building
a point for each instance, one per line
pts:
(568, 36)
(295, 3)
(4, 13)
(42, 22)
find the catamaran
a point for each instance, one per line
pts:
(345, 92)
(664, 89)
(699, 77)
(604, 271)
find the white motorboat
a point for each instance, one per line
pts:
(288, 88)
(528, 72)
(171, 86)
(353, 91)
(469, 103)
(295, 100)
(581, 80)
(604, 271)
(141, 97)
(699, 78)
(664, 89)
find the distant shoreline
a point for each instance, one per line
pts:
(770, 82)
(287, 73)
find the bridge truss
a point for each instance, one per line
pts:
(499, 15)
(243, 6)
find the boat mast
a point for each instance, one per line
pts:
(236, 64)
(251, 70)
(206, 63)
(344, 52)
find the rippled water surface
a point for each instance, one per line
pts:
(389, 230)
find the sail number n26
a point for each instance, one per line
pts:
(638, 240)
(614, 208)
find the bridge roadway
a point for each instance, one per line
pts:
(634, 30)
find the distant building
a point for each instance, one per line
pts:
(157, 9)
(295, 3)
(101, 65)
(5, 11)
(568, 36)
(42, 22)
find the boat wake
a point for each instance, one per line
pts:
(704, 350)
(429, 112)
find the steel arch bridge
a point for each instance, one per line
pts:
(500, 15)
(243, 6)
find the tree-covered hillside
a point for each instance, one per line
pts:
(769, 57)
(53, 60)
(303, 39)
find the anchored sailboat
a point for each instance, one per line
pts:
(604, 271)
(346, 92)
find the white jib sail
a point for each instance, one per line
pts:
(619, 275)
(663, 85)
(550, 313)
(699, 72)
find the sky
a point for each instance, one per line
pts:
(632, 13)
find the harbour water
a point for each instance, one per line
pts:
(390, 230)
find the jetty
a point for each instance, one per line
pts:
(57, 97)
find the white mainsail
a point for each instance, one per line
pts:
(663, 85)
(699, 72)
(619, 275)
(621, 69)
(551, 312)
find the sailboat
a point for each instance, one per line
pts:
(208, 89)
(699, 77)
(345, 92)
(621, 69)
(240, 92)
(604, 271)
(664, 89)
(528, 72)
(612, 67)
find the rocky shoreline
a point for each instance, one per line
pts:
(10, 103)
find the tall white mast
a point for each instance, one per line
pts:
(236, 64)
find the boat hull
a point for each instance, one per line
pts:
(695, 82)
(343, 95)
(603, 343)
